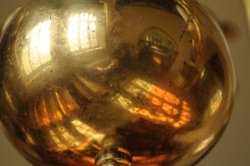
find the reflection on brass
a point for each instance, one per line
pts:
(73, 73)
(163, 106)
(114, 152)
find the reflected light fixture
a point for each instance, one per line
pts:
(114, 82)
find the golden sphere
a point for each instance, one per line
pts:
(148, 79)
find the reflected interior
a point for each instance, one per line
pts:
(75, 72)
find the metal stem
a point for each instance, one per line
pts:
(114, 152)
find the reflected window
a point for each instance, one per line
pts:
(157, 46)
(87, 131)
(38, 50)
(82, 32)
(163, 106)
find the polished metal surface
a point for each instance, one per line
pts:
(73, 72)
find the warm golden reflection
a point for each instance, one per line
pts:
(203, 72)
(203, 145)
(154, 78)
(152, 160)
(162, 47)
(87, 131)
(166, 108)
(67, 136)
(66, 101)
(9, 100)
(53, 108)
(30, 140)
(63, 138)
(192, 24)
(56, 143)
(82, 32)
(38, 49)
(216, 101)
(94, 87)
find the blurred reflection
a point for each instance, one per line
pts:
(29, 139)
(204, 144)
(152, 160)
(203, 71)
(9, 100)
(163, 107)
(55, 141)
(215, 101)
(81, 35)
(75, 136)
(82, 31)
(151, 71)
(87, 131)
(192, 24)
(156, 44)
(38, 50)
(52, 108)
(66, 101)
(67, 136)
(87, 88)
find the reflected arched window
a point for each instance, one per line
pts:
(37, 51)
(157, 46)
(82, 32)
